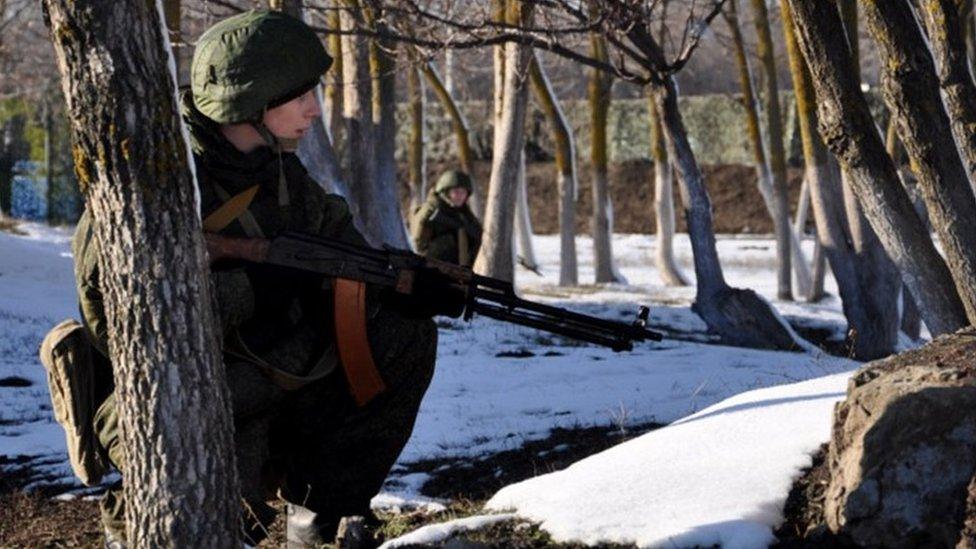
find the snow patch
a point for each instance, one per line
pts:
(436, 533)
(718, 477)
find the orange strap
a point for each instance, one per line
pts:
(354, 352)
(229, 210)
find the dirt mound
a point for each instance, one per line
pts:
(736, 203)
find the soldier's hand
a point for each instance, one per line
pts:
(434, 294)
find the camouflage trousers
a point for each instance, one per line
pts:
(312, 447)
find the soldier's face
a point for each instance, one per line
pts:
(292, 119)
(457, 196)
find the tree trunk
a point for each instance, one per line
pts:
(416, 159)
(384, 207)
(911, 321)
(372, 195)
(132, 164)
(523, 222)
(910, 89)
(462, 134)
(849, 131)
(332, 103)
(866, 278)
(13, 147)
(764, 175)
(777, 155)
(666, 264)
(739, 316)
(601, 222)
(942, 20)
(495, 257)
(566, 181)
(51, 215)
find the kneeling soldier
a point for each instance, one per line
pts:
(300, 432)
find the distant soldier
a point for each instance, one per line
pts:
(305, 427)
(444, 227)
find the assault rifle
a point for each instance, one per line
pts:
(399, 270)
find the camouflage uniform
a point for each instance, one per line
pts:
(313, 445)
(441, 231)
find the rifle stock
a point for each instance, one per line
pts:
(398, 269)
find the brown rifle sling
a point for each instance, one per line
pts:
(355, 355)
(233, 207)
(235, 347)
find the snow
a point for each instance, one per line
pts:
(436, 533)
(717, 477)
(479, 403)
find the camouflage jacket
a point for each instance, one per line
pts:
(283, 316)
(443, 232)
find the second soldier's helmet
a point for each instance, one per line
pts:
(253, 61)
(452, 179)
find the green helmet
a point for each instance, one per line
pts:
(253, 60)
(452, 179)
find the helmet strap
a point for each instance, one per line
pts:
(275, 144)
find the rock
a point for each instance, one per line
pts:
(903, 449)
(352, 534)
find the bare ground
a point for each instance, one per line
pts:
(35, 520)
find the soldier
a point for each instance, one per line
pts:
(299, 431)
(444, 227)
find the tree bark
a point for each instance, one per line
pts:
(462, 135)
(566, 181)
(601, 223)
(417, 161)
(495, 258)
(849, 131)
(666, 264)
(132, 164)
(911, 91)
(911, 320)
(777, 155)
(739, 316)
(945, 32)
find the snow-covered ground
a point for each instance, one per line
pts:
(479, 403)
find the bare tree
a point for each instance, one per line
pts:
(416, 160)
(945, 32)
(523, 222)
(911, 91)
(462, 135)
(764, 174)
(867, 282)
(565, 146)
(849, 131)
(601, 223)
(777, 154)
(495, 258)
(384, 206)
(664, 203)
(366, 109)
(132, 164)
